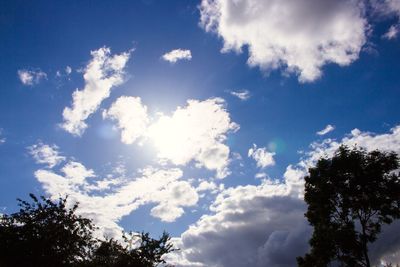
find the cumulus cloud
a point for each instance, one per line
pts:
(107, 199)
(242, 95)
(328, 128)
(263, 157)
(264, 225)
(46, 154)
(31, 77)
(250, 226)
(102, 73)
(177, 54)
(206, 186)
(175, 196)
(199, 130)
(297, 36)
(131, 116)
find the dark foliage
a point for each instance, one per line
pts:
(148, 253)
(46, 233)
(350, 196)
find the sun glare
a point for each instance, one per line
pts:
(185, 134)
(168, 135)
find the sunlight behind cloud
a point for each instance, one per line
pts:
(167, 134)
(195, 132)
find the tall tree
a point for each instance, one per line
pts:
(350, 196)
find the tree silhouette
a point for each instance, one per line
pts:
(46, 233)
(350, 196)
(148, 253)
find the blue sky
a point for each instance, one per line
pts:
(189, 116)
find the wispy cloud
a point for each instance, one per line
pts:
(177, 54)
(102, 73)
(389, 8)
(392, 33)
(328, 128)
(46, 154)
(31, 77)
(261, 175)
(242, 94)
(68, 70)
(2, 139)
(107, 200)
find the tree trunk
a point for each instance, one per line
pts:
(364, 245)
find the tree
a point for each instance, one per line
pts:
(44, 233)
(148, 253)
(48, 234)
(350, 196)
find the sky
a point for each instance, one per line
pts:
(199, 118)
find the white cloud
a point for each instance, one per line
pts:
(31, 77)
(300, 36)
(328, 128)
(370, 141)
(263, 157)
(177, 54)
(250, 226)
(242, 95)
(264, 225)
(206, 186)
(76, 172)
(68, 70)
(388, 9)
(175, 196)
(131, 116)
(199, 131)
(2, 139)
(107, 200)
(166, 213)
(392, 32)
(102, 73)
(46, 154)
(261, 175)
